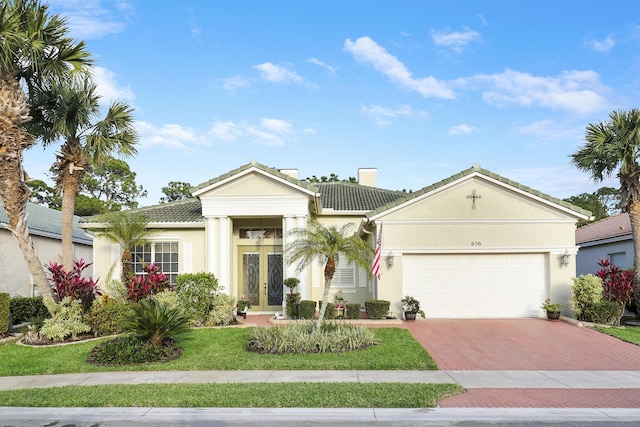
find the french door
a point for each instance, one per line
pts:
(260, 276)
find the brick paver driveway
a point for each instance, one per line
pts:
(521, 344)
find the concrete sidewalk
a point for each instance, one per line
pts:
(604, 380)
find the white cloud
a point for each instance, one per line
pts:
(88, 19)
(330, 69)
(108, 88)
(277, 74)
(236, 82)
(548, 131)
(462, 130)
(367, 51)
(274, 132)
(385, 116)
(455, 41)
(170, 135)
(577, 91)
(602, 45)
(309, 131)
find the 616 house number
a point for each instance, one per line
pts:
(476, 243)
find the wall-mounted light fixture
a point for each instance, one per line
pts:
(389, 260)
(564, 259)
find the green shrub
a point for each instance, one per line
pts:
(353, 311)
(307, 309)
(293, 305)
(25, 308)
(329, 313)
(604, 312)
(166, 297)
(196, 293)
(66, 320)
(222, 310)
(303, 337)
(106, 315)
(377, 309)
(5, 303)
(155, 323)
(587, 291)
(129, 350)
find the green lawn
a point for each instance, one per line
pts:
(626, 333)
(254, 395)
(223, 349)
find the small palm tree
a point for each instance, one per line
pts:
(155, 322)
(326, 245)
(35, 48)
(615, 146)
(127, 231)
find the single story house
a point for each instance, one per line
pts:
(473, 245)
(46, 234)
(610, 238)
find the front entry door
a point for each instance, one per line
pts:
(260, 275)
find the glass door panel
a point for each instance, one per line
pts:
(251, 277)
(274, 274)
(260, 275)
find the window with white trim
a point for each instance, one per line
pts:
(164, 254)
(345, 275)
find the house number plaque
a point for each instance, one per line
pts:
(476, 243)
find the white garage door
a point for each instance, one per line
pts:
(473, 286)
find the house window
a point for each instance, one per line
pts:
(345, 275)
(257, 233)
(164, 254)
(619, 259)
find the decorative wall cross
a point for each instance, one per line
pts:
(474, 196)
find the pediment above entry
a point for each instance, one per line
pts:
(256, 192)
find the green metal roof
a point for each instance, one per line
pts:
(476, 169)
(43, 221)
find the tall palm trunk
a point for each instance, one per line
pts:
(329, 271)
(14, 139)
(634, 216)
(71, 179)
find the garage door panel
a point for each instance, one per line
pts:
(480, 285)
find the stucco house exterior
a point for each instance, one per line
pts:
(610, 238)
(473, 245)
(45, 231)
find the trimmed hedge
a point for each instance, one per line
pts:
(329, 313)
(307, 309)
(5, 301)
(377, 309)
(353, 311)
(25, 308)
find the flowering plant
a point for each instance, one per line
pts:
(553, 308)
(243, 304)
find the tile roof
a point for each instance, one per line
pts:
(477, 169)
(347, 196)
(181, 211)
(607, 228)
(43, 221)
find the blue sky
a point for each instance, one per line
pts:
(419, 90)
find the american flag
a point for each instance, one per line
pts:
(375, 267)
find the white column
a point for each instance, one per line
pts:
(224, 251)
(213, 265)
(305, 292)
(287, 226)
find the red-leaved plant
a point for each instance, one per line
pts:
(145, 286)
(71, 283)
(617, 283)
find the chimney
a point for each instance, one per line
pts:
(367, 176)
(293, 173)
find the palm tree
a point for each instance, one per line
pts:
(68, 109)
(615, 146)
(327, 245)
(35, 48)
(127, 231)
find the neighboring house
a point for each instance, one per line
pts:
(45, 231)
(609, 238)
(473, 245)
